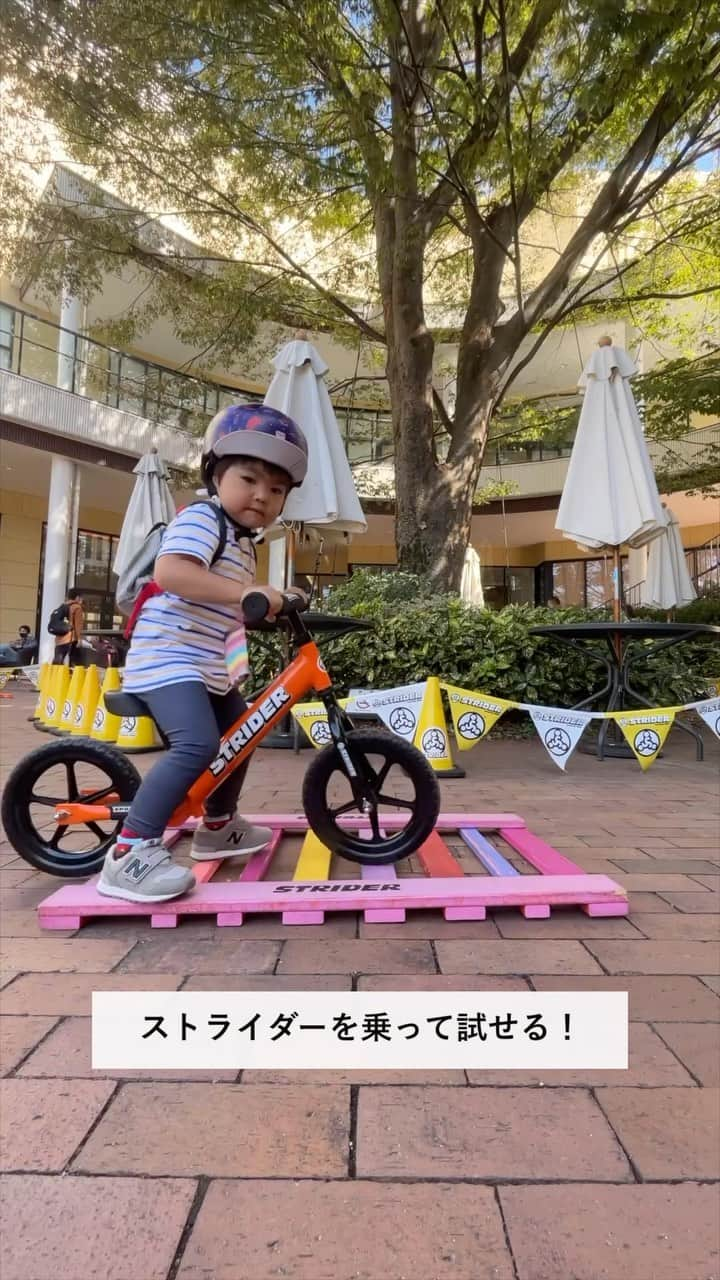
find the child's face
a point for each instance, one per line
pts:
(253, 494)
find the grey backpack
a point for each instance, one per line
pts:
(135, 584)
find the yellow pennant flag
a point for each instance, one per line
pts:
(473, 714)
(645, 731)
(312, 718)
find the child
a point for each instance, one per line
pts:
(252, 457)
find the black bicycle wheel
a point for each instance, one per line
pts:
(397, 781)
(70, 770)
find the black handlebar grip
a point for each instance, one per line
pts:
(256, 605)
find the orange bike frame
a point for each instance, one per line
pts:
(305, 674)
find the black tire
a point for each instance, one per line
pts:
(21, 803)
(423, 808)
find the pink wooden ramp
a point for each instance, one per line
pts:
(382, 894)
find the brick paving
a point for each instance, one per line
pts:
(435, 1175)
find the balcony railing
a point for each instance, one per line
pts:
(29, 346)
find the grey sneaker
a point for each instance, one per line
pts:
(146, 873)
(236, 838)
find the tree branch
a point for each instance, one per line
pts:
(610, 203)
(483, 129)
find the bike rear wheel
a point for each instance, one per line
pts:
(398, 784)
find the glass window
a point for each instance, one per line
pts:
(100, 615)
(95, 554)
(358, 431)
(521, 585)
(39, 357)
(94, 578)
(131, 385)
(7, 319)
(598, 582)
(383, 445)
(92, 376)
(568, 582)
(493, 585)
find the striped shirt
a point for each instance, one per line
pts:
(175, 639)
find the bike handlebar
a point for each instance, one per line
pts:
(256, 604)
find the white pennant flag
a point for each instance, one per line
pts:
(397, 708)
(560, 730)
(709, 711)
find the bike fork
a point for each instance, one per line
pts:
(339, 725)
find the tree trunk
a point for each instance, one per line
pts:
(433, 499)
(434, 502)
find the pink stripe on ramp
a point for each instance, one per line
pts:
(382, 915)
(294, 822)
(254, 870)
(542, 856)
(408, 892)
(607, 909)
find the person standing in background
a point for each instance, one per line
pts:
(67, 643)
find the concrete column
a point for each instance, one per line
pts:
(74, 525)
(57, 547)
(71, 318)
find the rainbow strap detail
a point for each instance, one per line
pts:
(236, 655)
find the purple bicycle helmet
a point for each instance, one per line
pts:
(254, 431)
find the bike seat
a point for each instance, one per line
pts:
(125, 704)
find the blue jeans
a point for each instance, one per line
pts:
(192, 720)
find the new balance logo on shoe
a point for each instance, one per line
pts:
(235, 837)
(137, 869)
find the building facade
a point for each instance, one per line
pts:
(77, 413)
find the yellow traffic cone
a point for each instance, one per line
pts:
(48, 702)
(106, 726)
(86, 704)
(137, 734)
(42, 691)
(432, 736)
(72, 697)
(59, 694)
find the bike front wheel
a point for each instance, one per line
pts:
(400, 804)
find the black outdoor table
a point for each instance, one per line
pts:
(620, 646)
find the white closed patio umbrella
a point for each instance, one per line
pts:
(471, 580)
(150, 503)
(327, 500)
(667, 584)
(610, 495)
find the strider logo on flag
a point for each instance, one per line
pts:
(473, 714)
(646, 731)
(560, 730)
(398, 708)
(312, 718)
(709, 712)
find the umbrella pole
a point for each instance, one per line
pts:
(617, 579)
(286, 735)
(290, 559)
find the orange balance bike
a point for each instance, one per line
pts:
(65, 803)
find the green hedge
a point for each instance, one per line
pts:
(417, 633)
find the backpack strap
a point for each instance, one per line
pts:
(222, 527)
(222, 519)
(145, 593)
